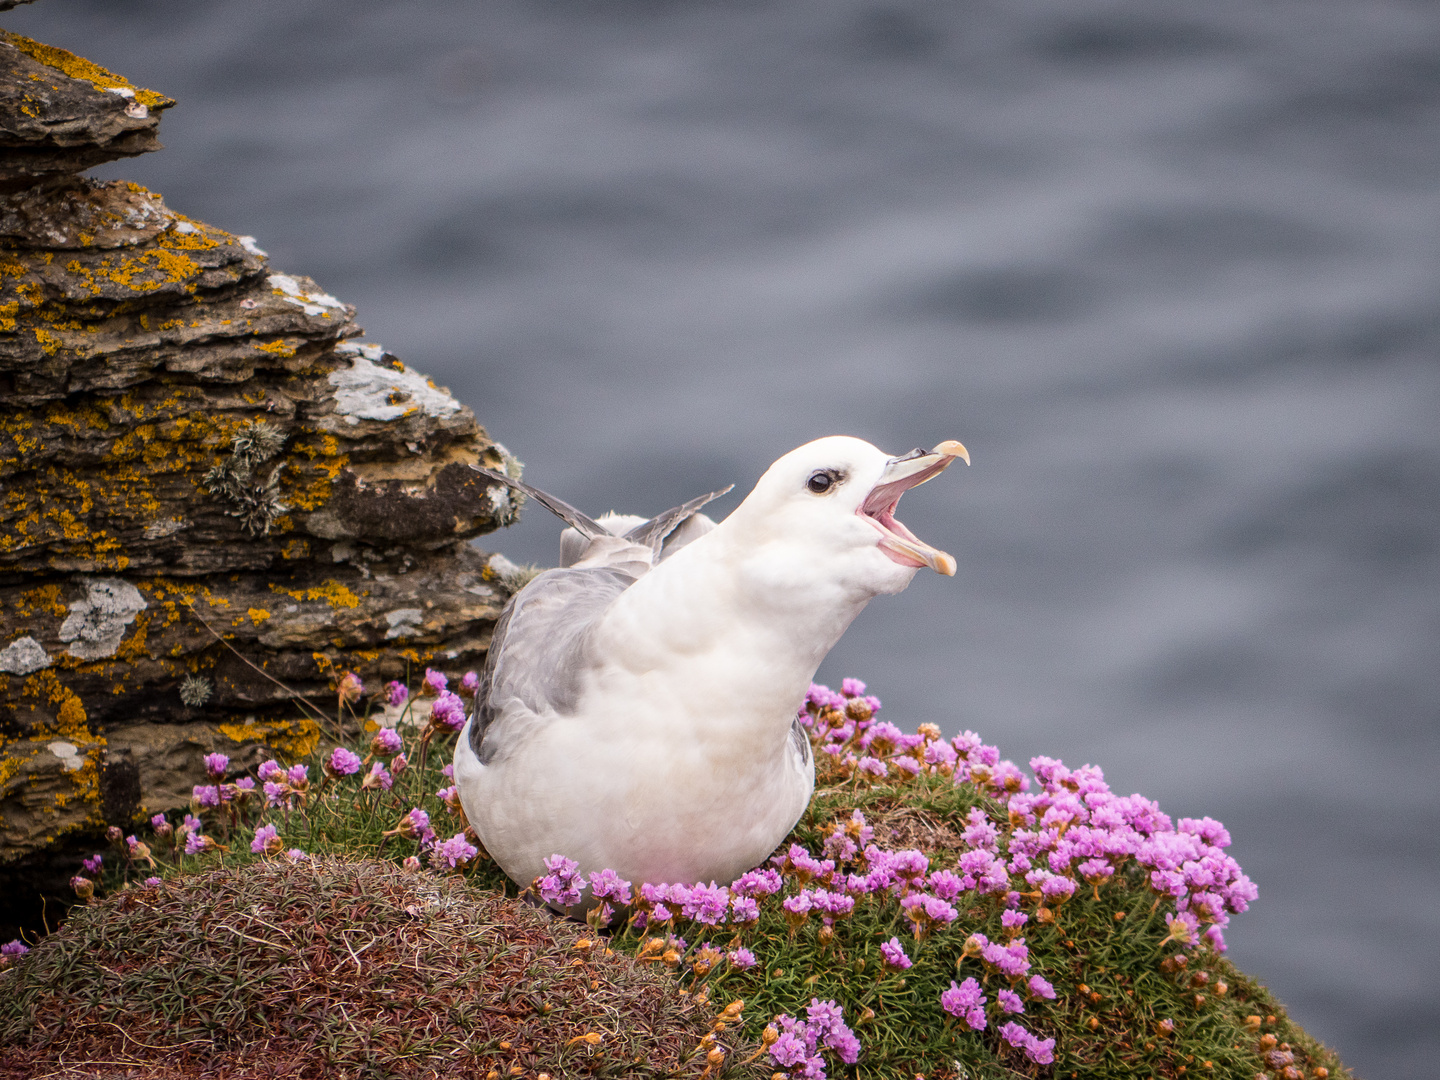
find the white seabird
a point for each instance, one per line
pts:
(637, 708)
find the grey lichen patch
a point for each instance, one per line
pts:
(23, 656)
(158, 530)
(254, 501)
(377, 386)
(403, 622)
(68, 753)
(97, 622)
(311, 302)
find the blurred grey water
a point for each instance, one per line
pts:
(1170, 271)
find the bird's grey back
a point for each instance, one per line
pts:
(537, 654)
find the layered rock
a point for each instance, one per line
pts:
(206, 481)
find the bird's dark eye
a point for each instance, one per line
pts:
(820, 482)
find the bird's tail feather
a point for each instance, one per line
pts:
(563, 510)
(652, 533)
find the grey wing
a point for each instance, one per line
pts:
(537, 653)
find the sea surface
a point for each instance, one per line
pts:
(1169, 270)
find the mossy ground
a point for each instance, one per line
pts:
(335, 968)
(1127, 1004)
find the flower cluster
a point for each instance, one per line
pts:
(563, 884)
(342, 762)
(797, 1044)
(12, 951)
(1075, 832)
(1040, 1051)
(453, 853)
(448, 711)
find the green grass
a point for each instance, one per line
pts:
(1127, 1004)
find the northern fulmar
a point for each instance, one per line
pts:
(637, 709)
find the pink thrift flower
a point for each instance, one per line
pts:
(470, 683)
(453, 852)
(343, 762)
(399, 765)
(1013, 920)
(562, 885)
(386, 743)
(413, 824)
(873, 766)
(448, 711)
(206, 796)
(267, 841)
(1041, 988)
(852, 688)
(906, 764)
(269, 771)
(756, 883)
(434, 683)
(741, 959)
(298, 776)
(395, 694)
(215, 766)
(938, 910)
(296, 855)
(608, 885)
(706, 904)
(789, 1049)
(1009, 1001)
(14, 948)
(1058, 889)
(92, 864)
(894, 954)
(410, 864)
(744, 910)
(1015, 1035)
(1040, 1051)
(377, 777)
(965, 1001)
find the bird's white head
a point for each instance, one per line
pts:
(827, 510)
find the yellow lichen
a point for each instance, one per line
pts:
(44, 598)
(77, 67)
(72, 714)
(70, 721)
(332, 592)
(257, 615)
(292, 739)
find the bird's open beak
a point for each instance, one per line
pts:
(900, 475)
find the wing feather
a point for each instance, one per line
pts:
(537, 654)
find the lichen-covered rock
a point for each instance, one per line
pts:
(207, 483)
(62, 113)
